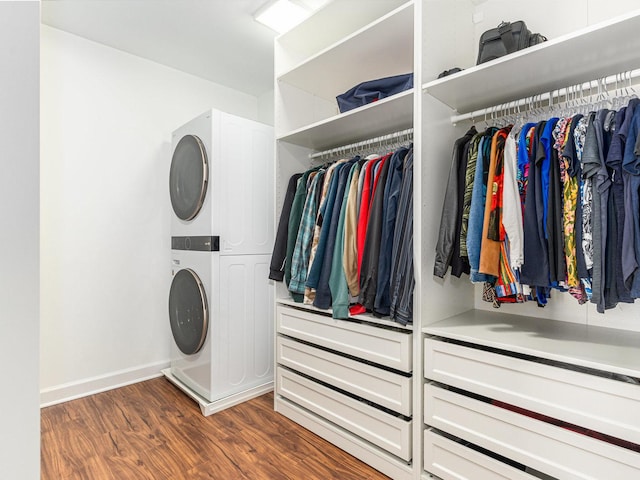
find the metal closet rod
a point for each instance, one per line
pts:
(362, 144)
(535, 100)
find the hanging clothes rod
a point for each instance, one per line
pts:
(624, 78)
(364, 143)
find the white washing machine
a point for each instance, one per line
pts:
(220, 302)
(221, 317)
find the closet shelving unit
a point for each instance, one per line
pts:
(350, 381)
(481, 366)
(410, 401)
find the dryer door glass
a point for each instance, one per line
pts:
(188, 177)
(188, 311)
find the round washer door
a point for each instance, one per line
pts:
(188, 311)
(188, 177)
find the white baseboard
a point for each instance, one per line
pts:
(82, 388)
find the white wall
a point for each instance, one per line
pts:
(266, 108)
(19, 259)
(106, 119)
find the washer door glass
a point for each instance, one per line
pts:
(188, 177)
(188, 311)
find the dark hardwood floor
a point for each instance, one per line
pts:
(151, 430)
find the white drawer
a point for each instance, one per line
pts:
(382, 387)
(386, 431)
(553, 450)
(450, 460)
(383, 346)
(597, 403)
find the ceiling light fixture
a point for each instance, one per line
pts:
(282, 15)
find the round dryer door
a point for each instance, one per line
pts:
(188, 177)
(188, 311)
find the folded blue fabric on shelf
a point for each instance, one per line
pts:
(373, 90)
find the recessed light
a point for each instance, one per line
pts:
(282, 15)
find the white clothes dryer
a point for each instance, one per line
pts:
(221, 182)
(221, 318)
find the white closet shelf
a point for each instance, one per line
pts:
(381, 49)
(391, 114)
(605, 349)
(594, 52)
(312, 35)
(365, 318)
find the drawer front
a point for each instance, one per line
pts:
(550, 449)
(378, 345)
(598, 403)
(379, 386)
(386, 431)
(451, 461)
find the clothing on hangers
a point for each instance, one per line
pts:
(343, 240)
(553, 205)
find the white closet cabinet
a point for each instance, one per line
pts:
(466, 392)
(350, 381)
(508, 394)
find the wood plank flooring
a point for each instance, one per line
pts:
(151, 430)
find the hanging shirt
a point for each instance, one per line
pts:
(469, 178)
(492, 229)
(544, 160)
(323, 291)
(476, 211)
(593, 167)
(554, 229)
(402, 279)
(512, 210)
(448, 244)
(392, 188)
(302, 244)
(350, 253)
(631, 164)
(573, 233)
(570, 187)
(321, 231)
(279, 254)
(369, 270)
(616, 291)
(294, 221)
(337, 279)
(586, 200)
(363, 213)
(535, 269)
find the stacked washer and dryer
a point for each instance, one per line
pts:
(220, 303)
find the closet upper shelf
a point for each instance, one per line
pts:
(600, 348)
(381, 49)
(384, 116)
(333, 22)
(591, 53)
